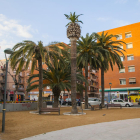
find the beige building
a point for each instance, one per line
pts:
(21, 78)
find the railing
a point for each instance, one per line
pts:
(93, 71)
(20, 89)
(2, 81)
(3, 68)
(21, 82)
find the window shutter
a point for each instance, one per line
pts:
(132, 80)
(128, 46)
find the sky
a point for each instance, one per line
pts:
(44, 20)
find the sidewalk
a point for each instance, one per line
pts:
(116, 130)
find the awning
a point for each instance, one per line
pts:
(45, 95)
(132, 80)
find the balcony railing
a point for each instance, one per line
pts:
(21, 82)
(93, 71)
(2, 74)
(2, 81)
(3, 68)
(1, 88)
(20, 89)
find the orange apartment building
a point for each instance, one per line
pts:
(93, 88)
(125, 81)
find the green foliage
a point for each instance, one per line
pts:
(88, 50)
(58, 77)
(111, 50)
(73, 18)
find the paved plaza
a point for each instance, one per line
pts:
(116, 130)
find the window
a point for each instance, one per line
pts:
(129, 45)
(127, 35)
(48, 87)
(122, 81)
(122, 58)
(28, 67)
(14, 71)
(121, 46)
(120, 100)
(131, 69)
(132, 80)
(14, 86)
(119, 37)
(130, 57)
(27, 74)
(122, 70)
(114, 100)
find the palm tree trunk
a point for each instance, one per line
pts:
(81, 91)
(73, 74)
(86, 86)
(102, 85)
(40, 83)
(55, 104)
(15, 92)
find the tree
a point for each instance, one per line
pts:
(73, 33)
(28, 51)
(88, 54)
(111, 52)
(58, 77)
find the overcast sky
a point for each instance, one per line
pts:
(44, 19)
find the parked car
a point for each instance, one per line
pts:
(68, 101)
(94, 101)
(122, 102)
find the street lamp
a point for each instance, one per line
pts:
(6, 51)
(110, 84)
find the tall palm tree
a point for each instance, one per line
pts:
(28, 51)
(111, 53)
(88, 54)
(58, 77)
(73, 33)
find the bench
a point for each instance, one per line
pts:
(114, 105)
(50, 110)
(93, 107)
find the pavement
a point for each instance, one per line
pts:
(116, 130)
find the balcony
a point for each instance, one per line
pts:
(2, 81)
(21, 89)
(22, 75)
(21, 82)
(3, 68)
(93, 71)
(2, 74)
(1, 88)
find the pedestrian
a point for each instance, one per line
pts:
(79, 102)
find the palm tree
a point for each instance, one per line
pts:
(58, 77)
(111, 52)
(28, 51)
(88, 54)
(73, 33)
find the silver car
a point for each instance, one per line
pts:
(122, 102)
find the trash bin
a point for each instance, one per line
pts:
(83, 105)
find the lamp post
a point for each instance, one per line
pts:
(6, 51)
(110, 84)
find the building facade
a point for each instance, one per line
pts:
(22, 78)
(126, 81)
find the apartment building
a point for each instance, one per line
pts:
(93, 87)
(125, 81)
(22, 78)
